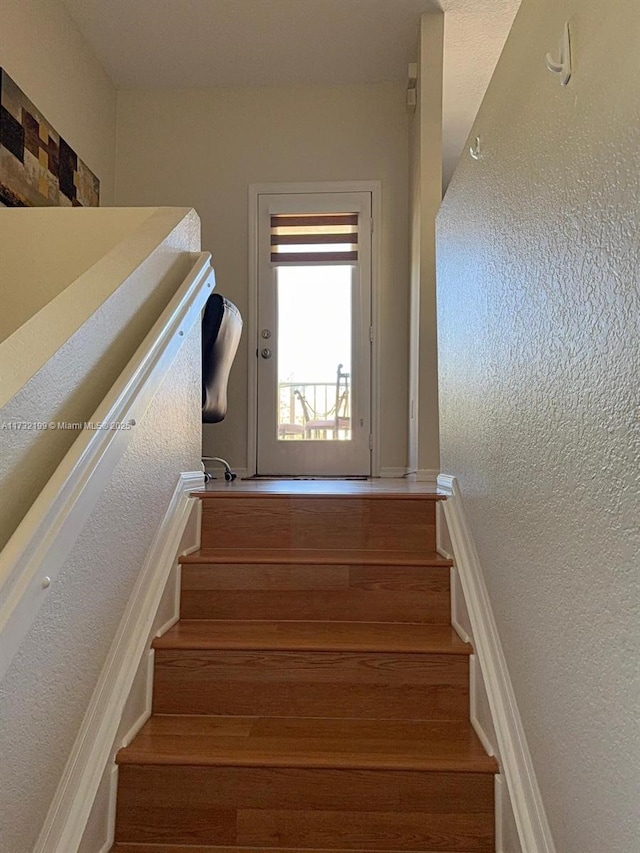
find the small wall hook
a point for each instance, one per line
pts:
(563, 65)
(475, 151)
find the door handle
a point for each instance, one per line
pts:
(265, 353)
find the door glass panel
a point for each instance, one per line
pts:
(314, 352)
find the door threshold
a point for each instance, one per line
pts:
(263, 477)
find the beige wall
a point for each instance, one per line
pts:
(43, 51)
(539, 331)
(40, 259)
(204, 148)
(425, 196)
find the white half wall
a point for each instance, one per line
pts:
(46, 691)
(205, 147)
(539, 347)
(92, 328)
(44, 53)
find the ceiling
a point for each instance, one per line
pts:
(201, 43)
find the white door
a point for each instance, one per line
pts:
(314, 334)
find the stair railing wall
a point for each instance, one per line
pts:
(59, 366)
(102, 533)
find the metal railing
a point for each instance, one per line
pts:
(303, 404)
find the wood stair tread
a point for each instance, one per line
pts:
(314, 696)
(315, 556)
(211, 634)
(123, 847)
(318, 489)
(310, 743)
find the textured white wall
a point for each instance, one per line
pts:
(72, 383)
(539, 332)
(204, 147)
(45, 693)
(43, 51)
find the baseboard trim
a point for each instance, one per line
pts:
(427, 475)
(423, 475)
(168, 624)
(111, 821)
(145, 712)
(474, 715)
(507, 840)
(440, 521)
(455, 622)
(393, 473)
(65, 822)
(517, 766)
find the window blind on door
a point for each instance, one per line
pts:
(314, 237)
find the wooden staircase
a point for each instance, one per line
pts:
(311, 698)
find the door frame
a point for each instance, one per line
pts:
(255, 190)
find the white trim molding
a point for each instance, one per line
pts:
(480, 713)
(507, 840)
(517, 765)
(111, 815)
(393, 473)
(458, 606)
(33, 557)
(424, 475)
(427, 475)
(147, 666)
(67, 817)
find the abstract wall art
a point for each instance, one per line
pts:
(37, 167)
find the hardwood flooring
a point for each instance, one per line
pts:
(313, 696)
(318, 636)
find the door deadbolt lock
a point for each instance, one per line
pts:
(265, 353)
(266, 334)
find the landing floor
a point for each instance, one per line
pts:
(374, 486)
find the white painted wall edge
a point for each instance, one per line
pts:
(32, 558)
(517, 766)
(65, 822)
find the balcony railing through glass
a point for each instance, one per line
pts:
(315, 411)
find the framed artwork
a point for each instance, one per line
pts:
(37, 167)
